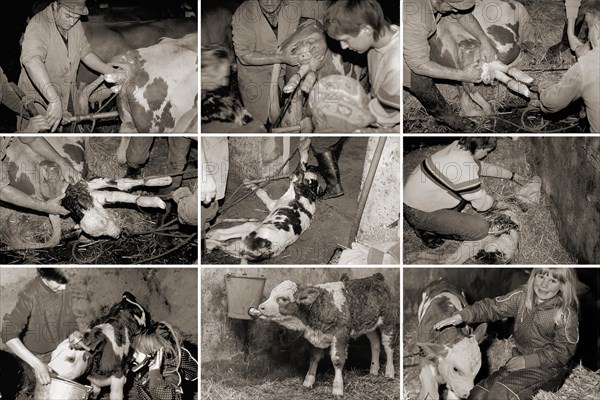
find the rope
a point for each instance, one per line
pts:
(260, 185)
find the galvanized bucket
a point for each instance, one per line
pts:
(243, 292)
(62, 389)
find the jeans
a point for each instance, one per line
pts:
(449, 223)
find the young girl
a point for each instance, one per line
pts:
(159, 348)
(546, 334)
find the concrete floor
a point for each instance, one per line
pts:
(331, 223)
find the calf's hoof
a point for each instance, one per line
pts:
(309, 381)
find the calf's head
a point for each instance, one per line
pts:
(458, 364)
(88, 213)
(281, 302)
(308, 43)
(67, 362)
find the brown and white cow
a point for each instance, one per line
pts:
(505, 22)
(451, 355)
(330, 314)
(41, 179)
(158, 86)
(109, 345)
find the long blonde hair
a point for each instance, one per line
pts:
(160, 334)
(567, 291)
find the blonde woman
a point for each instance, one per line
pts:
(545, 331)
(162, 363)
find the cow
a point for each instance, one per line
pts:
(451, 356)
(158, 87)
(507, 24)
(109, 345)
(42, 179)
(288, 218)
(109, 40)
(330, 314)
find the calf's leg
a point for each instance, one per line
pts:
(429, 385)
(116, 388)
(386, 338)
(373, 337)
(339, 352)
(315, 356)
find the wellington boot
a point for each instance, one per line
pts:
(331, 174)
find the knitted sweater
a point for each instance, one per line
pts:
(541, 341)
(41, 318)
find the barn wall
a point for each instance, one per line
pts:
(168, 294)
(254, 157)
(261, 342)
(383, 204)
(570, 172)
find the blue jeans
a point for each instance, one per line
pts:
(448, 223)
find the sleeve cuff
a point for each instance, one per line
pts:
(532, 360)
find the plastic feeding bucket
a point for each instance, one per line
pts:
(243, 292)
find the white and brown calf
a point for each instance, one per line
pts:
(508, 25)
(451, 355)
(329, 315)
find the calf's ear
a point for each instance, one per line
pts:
(433, 350)
(480, 332)
(307, 296)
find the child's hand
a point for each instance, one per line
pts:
(456, 319)
(515, 364)
(157, 361)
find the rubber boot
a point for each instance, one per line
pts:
(425, 90)
(330, 172)
(336, 148)
(133, 172)
(429, 239)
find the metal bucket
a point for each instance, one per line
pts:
(243, 292)
(62, 389)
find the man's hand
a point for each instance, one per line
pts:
(42, 373)
(582, 49)
(488, 51)
(38, 123)
(68, 172)
(52, 206)
(181, 193)
(472, 74)
(208, 190)
(289, 58)
(521, 180)
(54, 114)
(515, 364)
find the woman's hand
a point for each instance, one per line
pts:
(472, 74)
(42, 373)
(454, 320)
(156, 363)
(287, 57)
(515, 364)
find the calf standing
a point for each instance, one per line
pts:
(330, 314)
(452, 355)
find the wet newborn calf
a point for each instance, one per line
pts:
(288, 218)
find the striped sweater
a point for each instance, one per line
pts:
(443, 179)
